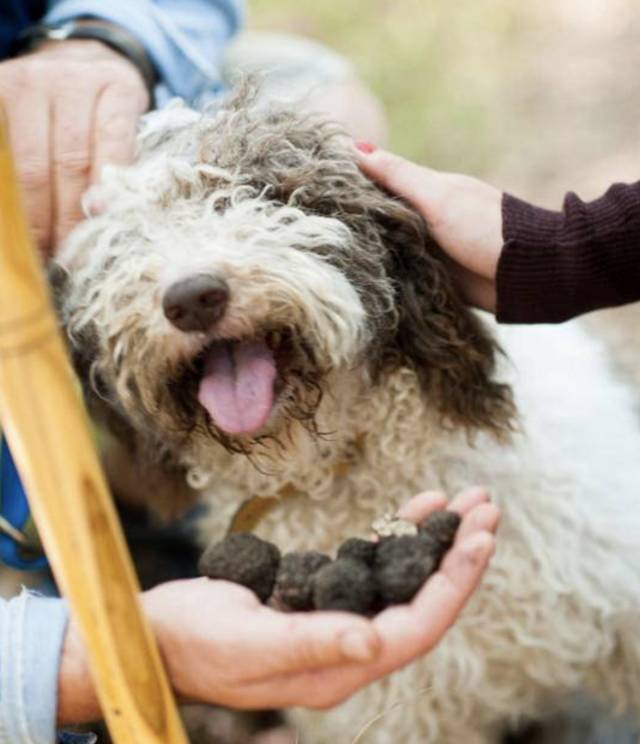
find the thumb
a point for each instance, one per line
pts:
(306, 641)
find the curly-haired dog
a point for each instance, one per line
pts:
(254, 318)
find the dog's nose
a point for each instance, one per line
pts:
(196, 303)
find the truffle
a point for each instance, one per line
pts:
(358, 549)
(294, 582)
(440, 527)
(345, 585)
(244, 559)
(401, 567)
(366, 577)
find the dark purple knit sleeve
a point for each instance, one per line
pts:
(556, 265)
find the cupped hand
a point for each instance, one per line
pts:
(464, 216)
(72, 107)
(221, 646)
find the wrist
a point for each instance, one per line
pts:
(179, 646)
(155, 611)
(77, 699)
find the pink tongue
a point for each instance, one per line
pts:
(237, 386)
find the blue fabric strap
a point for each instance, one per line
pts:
(14, 509)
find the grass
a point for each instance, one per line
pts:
(537, 96)
(437, 66)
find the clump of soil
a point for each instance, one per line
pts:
(365, 577)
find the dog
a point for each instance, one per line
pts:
(256, 323)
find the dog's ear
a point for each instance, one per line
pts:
(452, 353)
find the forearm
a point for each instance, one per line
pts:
(556, 265)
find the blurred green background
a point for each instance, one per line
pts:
(537, 96)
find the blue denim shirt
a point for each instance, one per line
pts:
(185, 40)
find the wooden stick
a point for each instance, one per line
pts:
(47, 428)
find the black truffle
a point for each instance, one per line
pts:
(294, 582)
(244, 559)
(401, 567)
(358, 550)
(345, 585)
(440, 527)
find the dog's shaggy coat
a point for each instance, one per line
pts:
(386, 385)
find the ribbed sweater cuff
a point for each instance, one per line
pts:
(556, 265)
(525, 268)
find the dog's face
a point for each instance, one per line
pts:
(244, 261)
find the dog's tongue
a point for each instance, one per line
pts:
(237, 386)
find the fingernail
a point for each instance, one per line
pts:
(366, 147)
(358, 646)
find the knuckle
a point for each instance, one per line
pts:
(118, 126)
(122, 73)
(40, 236)
(13, 79)
(308, 651)
(398, 170)
(73, 164)
(33, 173)
(30, 71)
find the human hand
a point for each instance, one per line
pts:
(72, 107)
(405, 632)
(464, 216)
(221, 646)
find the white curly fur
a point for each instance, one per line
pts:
(558, 609)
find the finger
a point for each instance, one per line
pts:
(72, 122)
(465, 563)
(408, 631)
(394, 172)
(482, 518)
(420, 506)
(466, 500)
(116, 117)
(29, 123)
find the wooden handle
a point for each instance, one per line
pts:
(48, 431)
